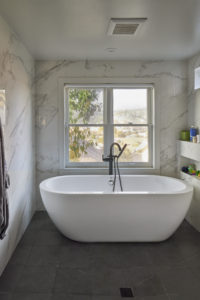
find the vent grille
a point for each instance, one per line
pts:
(126, 293)
(127, 26)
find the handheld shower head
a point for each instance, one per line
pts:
(122, 150)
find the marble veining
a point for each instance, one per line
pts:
(54, 68)
(45, 111)
(16, 78)
(171, 94)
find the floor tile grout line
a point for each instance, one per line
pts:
(15, 287)
(152, 266)
(54, 281)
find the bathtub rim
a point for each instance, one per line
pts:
(187, 189)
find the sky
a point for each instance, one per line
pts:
(126, 99)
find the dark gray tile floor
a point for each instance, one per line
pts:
(48, 266)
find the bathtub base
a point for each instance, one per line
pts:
(150, 209)
(86, 219)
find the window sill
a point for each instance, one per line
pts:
(104, 171)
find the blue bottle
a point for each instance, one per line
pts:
(193, 132)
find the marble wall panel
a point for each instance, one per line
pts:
(171, 93)
(17, 79)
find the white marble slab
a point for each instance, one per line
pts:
(171, 93)
(16, 78)
(193, 213)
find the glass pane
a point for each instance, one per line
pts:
(85, 105)
(85, 144)
(3, 107)
(130, 106)
(136, 139)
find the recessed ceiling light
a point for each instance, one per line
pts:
(111, 50)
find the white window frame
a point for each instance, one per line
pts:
(108, 125)
(124, 82)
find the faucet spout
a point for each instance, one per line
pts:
(110, 158)
(112, 147)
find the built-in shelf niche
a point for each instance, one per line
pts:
(189, 150)
(189, 177)
(189, 153)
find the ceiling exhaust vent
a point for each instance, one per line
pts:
(124, 26)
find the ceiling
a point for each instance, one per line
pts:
(77, 29)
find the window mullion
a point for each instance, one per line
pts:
(66, 152)
(150, 144)
(108, 131)
(150, 125)
(66, 138)
(149, 105)
(105, 120)
(111, 117)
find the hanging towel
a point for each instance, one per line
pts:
(4, 184)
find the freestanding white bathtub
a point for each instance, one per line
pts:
(84, 208)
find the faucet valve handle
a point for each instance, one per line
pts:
(105, 158)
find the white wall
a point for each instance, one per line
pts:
(16, 77)
(193, 95)
(171, 78)
(194, 119)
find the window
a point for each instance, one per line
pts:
(96, 116)
(3, 106)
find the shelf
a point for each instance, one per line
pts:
(189, 150)
(189, 177)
